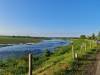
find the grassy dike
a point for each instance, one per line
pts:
(17, 40)
(61, 62)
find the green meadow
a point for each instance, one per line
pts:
(17, 40)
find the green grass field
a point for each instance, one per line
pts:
(17, 40)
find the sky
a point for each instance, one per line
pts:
(49, 17)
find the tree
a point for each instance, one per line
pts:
(82, 36)
(98, 35)
(93, 36)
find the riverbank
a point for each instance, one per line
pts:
(21, 64)
(58, 62)
(18, 40)
(62, 61)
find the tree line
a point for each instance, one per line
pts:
(92, 37)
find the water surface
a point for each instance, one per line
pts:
(36, 48)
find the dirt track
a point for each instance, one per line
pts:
(98, 64)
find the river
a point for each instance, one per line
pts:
(35, 48)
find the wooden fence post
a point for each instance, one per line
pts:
(90, 44)
(81, 49)
(85, 46)
(76, 55)
(30, 64)
(73, 53)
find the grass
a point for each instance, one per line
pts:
(53, 65)
(58, 63)
(17, 40)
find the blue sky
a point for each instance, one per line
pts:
(49, 17)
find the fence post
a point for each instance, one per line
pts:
(81, 47)
(30, 64)
(90, 44)
(85, 46)
(76, 56)
(73, 53)
(97, 42)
